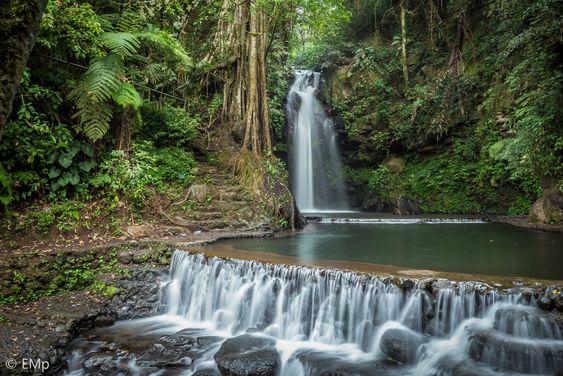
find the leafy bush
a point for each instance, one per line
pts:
(167, 125)
(146, 166)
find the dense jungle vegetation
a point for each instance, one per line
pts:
(455, 104)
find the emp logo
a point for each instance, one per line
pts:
(28, 364)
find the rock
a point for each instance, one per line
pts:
(103, 320)
(327, 364)
(518, 355)
(548, 208)
(526, 322)
(552, 297)
(99, 360)
(139, 231)
(395, 164)
(401, 345)
(404, 206)
(247, 355)
(124, 257)
(198, 192)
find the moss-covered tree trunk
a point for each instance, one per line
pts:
(19, 25)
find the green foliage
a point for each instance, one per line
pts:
(71, 29)
(146, 166)
(167, 125)
(65, 274)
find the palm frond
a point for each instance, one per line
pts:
(121, 43)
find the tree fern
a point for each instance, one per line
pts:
(127, 96)
(131, 20)
(122, 43)
(166, 43)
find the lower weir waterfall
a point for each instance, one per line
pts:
(222, 315)
(316, 169)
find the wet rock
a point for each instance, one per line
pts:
(205, 372)
(404, 206)
(548, 208)
(103, 320)
(401, 345)
(459, 365)
(104, 360)
(206, 341)
(516, 354)
(247, 355)
(326, 364)
(528, 322)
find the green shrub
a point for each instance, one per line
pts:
(166, 125)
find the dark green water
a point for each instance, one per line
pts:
(489, 248)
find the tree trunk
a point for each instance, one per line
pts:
(241, 42)
(19, 25)
(404, 59)
(123, 136)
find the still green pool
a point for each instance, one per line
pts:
(486, 248)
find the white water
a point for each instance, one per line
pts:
(327, 320)
(343, 315)
(402, 221)
(316, 169)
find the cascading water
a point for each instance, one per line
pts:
(348, 323)
(316, 168)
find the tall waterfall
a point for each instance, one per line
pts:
(316, 168)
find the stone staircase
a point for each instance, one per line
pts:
(217, 201)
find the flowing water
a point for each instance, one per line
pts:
(316, 169)
(332, 321)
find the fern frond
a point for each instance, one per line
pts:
(157, 73)
(107, 21)
(95, 119)
(100, 83)
(131, 20)
(126, 95)
(103, 77)
(122, 43)
(167, 44)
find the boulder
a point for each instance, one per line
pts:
(248, 355)
(329, 364)
(140, 231)
(404, 206)
(198, 192)
(528, 322)
(395, 164)
(548, 208)
(401, 345)
(516, 354)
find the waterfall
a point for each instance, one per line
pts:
(324, 321)
(312, 311)
(316, 168)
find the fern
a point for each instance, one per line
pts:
(127, 96)
(98, 86)
(95, 119)
(131, 20)
(167, 44)
(122, 43)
